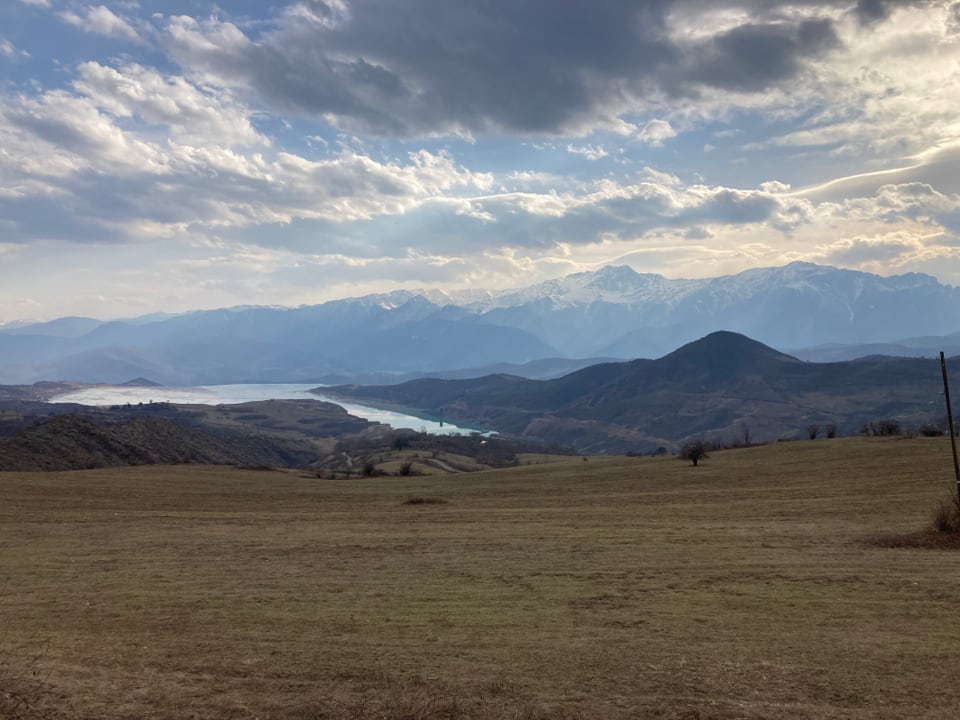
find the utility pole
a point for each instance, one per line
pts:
(953, 437)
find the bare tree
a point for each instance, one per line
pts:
(694, 451)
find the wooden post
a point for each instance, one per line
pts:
(953, 437)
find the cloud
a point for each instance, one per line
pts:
(9, 50)
(883, 253)
(76, 173)
(868, 11)
(754, 57)
(100, 20)
(323, 143)
(880, 98)
(77, 169)
(191, 113)
(936, 168)
(590, 152)
(422, 68)
(655, 132)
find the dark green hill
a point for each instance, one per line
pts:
(714, 387)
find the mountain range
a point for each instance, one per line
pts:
(724, 387)
(541, 331)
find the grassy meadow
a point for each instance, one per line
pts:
(757, 585)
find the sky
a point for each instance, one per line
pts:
(169, 155)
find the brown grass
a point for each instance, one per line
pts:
(943, 532)
(615, 588)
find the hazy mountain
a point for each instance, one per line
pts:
(714, 387)
(347, 337)
(68, 327)
(544, 369)
(613, 312)
(930, 346)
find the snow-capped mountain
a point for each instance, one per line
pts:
(618, 312)
(614, 312)
(622, 285)
(615, 284)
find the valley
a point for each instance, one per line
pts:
(725, 389)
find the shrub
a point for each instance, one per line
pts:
(890, 427)
(882, 428)
(406, 469)
(831, 430)
(369, 468)
(813, 431)
(946, 519)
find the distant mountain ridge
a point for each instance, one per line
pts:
(718, 387)
(614, 312)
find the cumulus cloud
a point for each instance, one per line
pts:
(905, 250)
(656, 132)
(100, 20)
(872, 250)
(104, 181)
(72, 170)
(191, 113)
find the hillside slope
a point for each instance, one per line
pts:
(719, 387)
(72, 442)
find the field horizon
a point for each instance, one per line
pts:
(760, 584)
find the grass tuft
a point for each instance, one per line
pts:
(946, 519)
(418, 500)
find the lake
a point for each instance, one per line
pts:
(233, 394)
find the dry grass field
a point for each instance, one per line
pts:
(748, 587)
